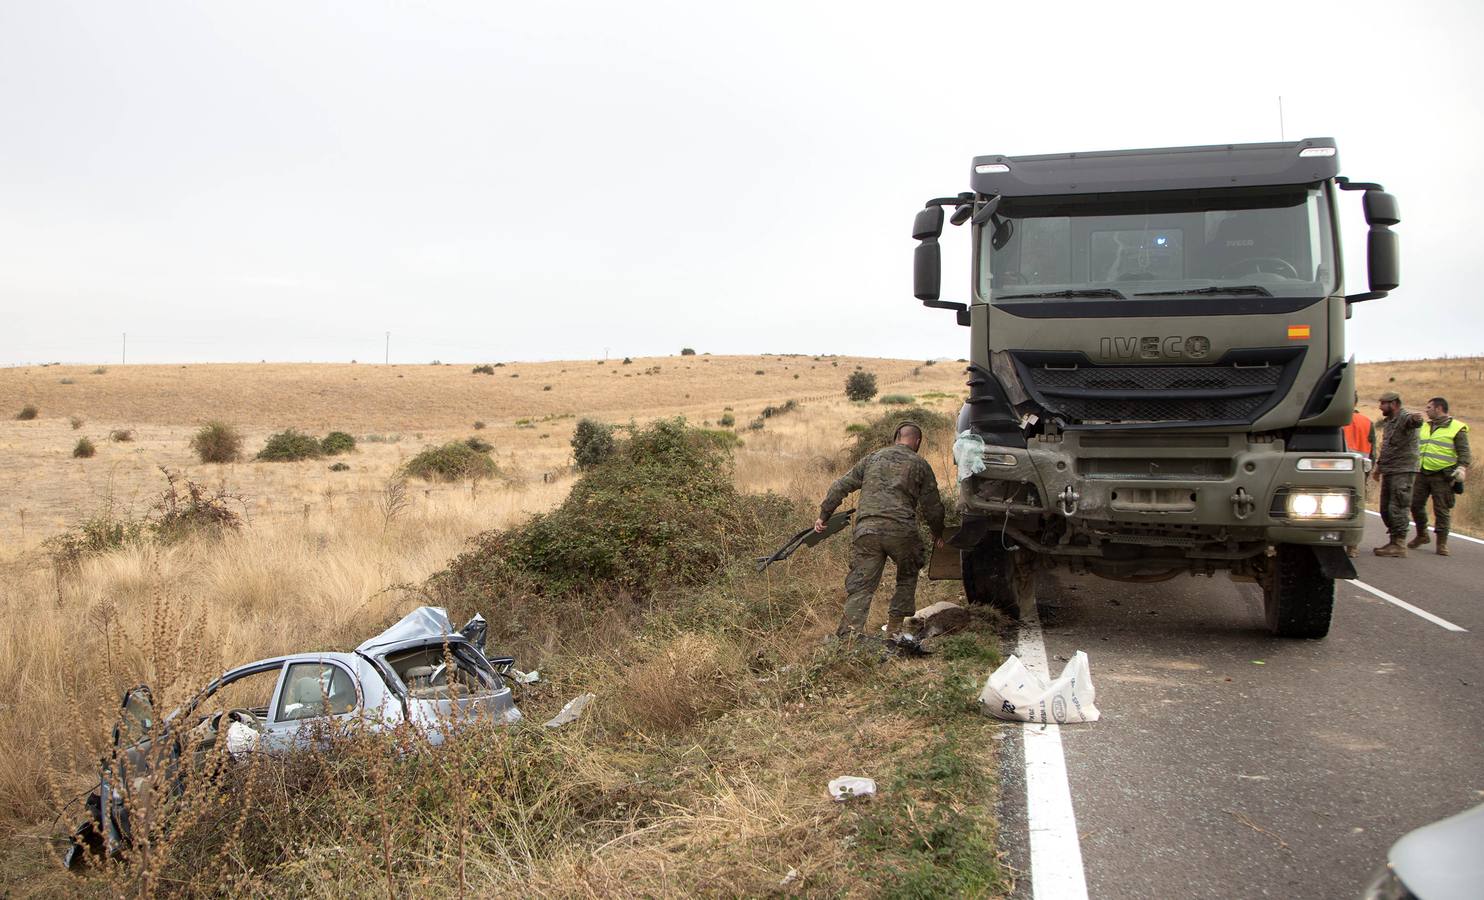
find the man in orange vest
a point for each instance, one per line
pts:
(1360, 437)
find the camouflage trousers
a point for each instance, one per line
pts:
(868, 555)
(1438, 487)
(1396, 503)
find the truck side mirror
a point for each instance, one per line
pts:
(927, 260)
(1383, 249)
(927, 269)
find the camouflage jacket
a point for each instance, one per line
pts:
(893, 482)
(1399, 443)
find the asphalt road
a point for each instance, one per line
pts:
(1229, 763)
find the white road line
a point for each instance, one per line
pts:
(1055, 849)
(1453, 534)
(1407, 606)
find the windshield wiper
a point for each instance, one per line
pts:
(1066, 295)
(1236, 290)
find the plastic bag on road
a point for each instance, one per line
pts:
(1014, 692)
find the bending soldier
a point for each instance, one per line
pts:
(894, 481)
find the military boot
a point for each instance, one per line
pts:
(1421, 540)
(1443, 544)
(1393, 547)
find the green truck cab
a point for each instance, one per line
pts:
(1158, 373)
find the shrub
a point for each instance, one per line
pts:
(937, 430)
(687, 351)
(861, 385)
(186, 509)
(66, 381)
(484, 370)
(546, 387)
(477, 445)
(896, 399)
(84, 449)
(592, 443)
(758, 372)
(771, 411)
(27, 413)
(339, 467)
(478, 425)
(121, 435)
(76, 422)
(663, 512)
(105, 530)
(627, 361)
(451, 462)
(336, 443)
(290, 446)
(727, 420)
(101, 370)
(217, 442)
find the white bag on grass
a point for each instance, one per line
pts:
(1014, 692)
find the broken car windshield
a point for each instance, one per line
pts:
(1240, 242)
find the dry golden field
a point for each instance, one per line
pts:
(394, 411)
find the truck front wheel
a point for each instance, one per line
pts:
(1001, 578)
(1298, 597)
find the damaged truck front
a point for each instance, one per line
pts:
(1158, 375)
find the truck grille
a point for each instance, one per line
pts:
(1231, 391)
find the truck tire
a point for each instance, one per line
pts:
(999, 578)
(1298, 597)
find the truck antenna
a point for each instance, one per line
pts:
(1281, 135)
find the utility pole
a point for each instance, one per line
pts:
(124, 356)
(388, 358)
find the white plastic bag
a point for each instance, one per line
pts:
(849, 787)
(1014, 692)
(968, 452)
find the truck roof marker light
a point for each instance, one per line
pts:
(990, 168)
(1298, 332)
(1316, 151)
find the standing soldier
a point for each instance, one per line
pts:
(893, 482)
(1360, 437)
(1396, 468)
(1444, 446)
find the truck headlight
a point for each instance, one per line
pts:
(1319, 506)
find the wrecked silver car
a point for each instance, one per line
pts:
(419, 672)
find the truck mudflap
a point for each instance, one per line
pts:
(1334, 563)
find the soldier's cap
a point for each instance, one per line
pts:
(1390, 397)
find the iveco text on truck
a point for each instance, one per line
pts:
(1158, 372)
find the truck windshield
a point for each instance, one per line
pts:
(1241, 242)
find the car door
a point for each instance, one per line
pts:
(314, 697)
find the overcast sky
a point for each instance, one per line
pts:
(496, 181)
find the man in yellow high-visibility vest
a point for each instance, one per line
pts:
(1443, 446)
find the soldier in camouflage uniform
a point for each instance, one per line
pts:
(893, 482)
(1396, 468)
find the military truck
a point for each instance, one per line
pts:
(1158, 373)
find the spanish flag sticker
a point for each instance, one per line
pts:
(1298, 332)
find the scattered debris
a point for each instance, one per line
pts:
(1015, 693)
(940, 618)
(849, 787)
(1282, 844)
(790, 878)
(571, 712)
(519, 677)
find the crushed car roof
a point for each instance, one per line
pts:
(422, 624)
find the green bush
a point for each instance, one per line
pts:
(861, 385)
(478, 445)
(592, 443)
(896, 399)
(27, 413)
(478, 425)
(687, 351)
(771, 411)
(217, 442)
(121, 435)
(661, 512)
(727, 420)
(453, 461)
(484, 370)
(336, 443)
(937, 430)
(76, 422)
(186, 509)
(290, 446)
(339, 467)
(84, 449)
